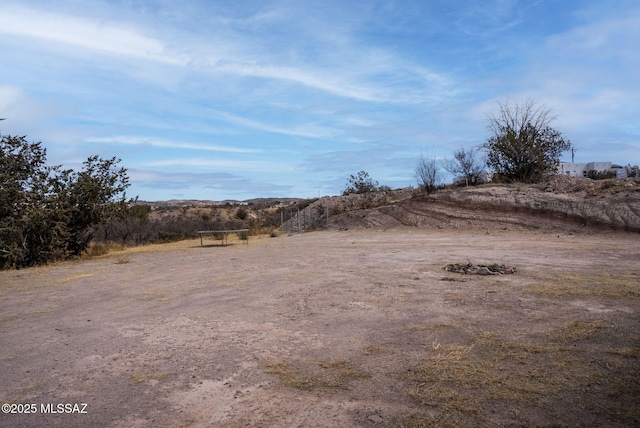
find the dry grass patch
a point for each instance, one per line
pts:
(577, 330)
(492, 375)
(329, 374)
(617, 286)
(154, 293)
(371, 350)
(97, 249)
(290, 376)
(462, 330)
(123, 252)
(624, 351)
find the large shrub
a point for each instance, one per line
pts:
(47, 212)
(522, 145)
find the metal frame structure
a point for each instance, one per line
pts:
(225, 234)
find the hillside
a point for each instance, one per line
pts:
(561, 202)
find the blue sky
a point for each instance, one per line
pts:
(239, 99)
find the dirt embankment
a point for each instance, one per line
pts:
(559, 203)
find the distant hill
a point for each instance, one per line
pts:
(208, 203)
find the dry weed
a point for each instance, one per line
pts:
(123, 259)
(97, 249)
(371, 350)
(289, 376)
(335, 373)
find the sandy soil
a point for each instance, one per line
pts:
(326, 329)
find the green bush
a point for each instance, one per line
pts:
(241, 214)
(49, 213)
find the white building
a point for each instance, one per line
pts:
(580, 169)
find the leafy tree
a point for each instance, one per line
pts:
(428, 174)
(361, 183)
(141, 212)
(47, 212)
(92, 197)
(25, 229)
(466, 164)
(523, 146)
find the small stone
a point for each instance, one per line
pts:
(375, 419)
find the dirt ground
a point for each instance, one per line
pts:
(334, 328)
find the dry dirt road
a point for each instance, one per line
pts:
(349, 328)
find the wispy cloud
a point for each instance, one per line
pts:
(153, 142)
(482, 18)
(107, 37)
(226, 164)
(359, 74)
(306, 130)
(614, 38)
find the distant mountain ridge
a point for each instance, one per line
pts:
(206, 202)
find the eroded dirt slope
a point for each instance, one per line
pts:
(561, 203)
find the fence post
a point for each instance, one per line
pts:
(326, 214)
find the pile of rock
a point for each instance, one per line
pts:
(471, 269)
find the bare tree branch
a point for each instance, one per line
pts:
(523, 146)
(428, 174)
